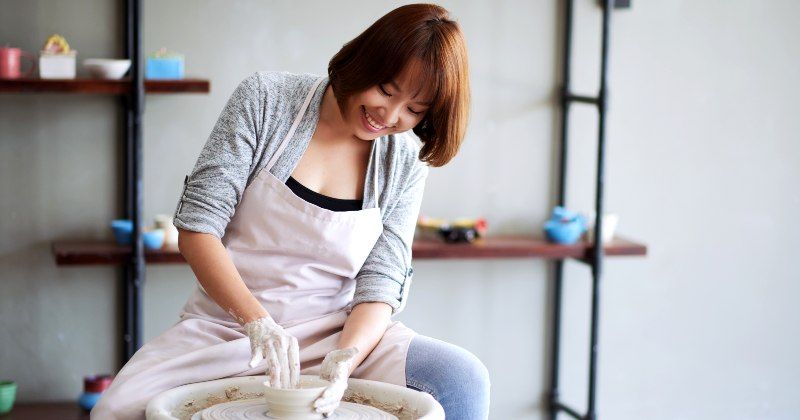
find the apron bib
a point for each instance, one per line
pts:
(299, 260)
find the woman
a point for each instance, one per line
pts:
(298, 220)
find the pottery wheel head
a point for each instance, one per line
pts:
(257, 408)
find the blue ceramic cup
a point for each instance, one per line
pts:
(123, 230)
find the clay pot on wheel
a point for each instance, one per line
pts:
(298, 403)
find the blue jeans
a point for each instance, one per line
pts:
(456, 378)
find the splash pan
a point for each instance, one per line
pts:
(378, 400)
(256, 409)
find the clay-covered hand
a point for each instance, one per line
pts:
(270, 341)
(336, 369)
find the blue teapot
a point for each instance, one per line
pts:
(564, 226)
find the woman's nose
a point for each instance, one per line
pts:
(391, 115)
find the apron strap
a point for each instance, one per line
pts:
(376, 159)
(296, 122)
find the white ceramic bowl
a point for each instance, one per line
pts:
(107, 68)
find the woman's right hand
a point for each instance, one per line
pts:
(270, 341)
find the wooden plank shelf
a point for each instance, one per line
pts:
(101, 86)
(519, 246)
(109, 253)
(56, 410)
(507, 246)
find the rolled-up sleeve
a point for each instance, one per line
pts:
(217, 182)
(386, 274)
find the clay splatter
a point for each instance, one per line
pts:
(398, 409)
(189, 407)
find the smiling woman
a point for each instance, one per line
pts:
(298, 220)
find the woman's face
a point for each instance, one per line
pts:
(389, 108)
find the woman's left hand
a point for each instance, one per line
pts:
(336, 369)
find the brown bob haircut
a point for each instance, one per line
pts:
(381, 52)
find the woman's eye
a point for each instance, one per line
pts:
(414, 112)
(383, 90)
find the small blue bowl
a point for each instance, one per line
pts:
(153, 239)
(123, 230)
(563, 232)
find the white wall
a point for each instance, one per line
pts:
(703, 157)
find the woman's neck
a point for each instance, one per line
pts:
(331, 121)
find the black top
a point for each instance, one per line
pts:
(330, 203)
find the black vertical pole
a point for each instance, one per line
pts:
(597, 260)
(562, 180)
(127, 268)
(137, 99)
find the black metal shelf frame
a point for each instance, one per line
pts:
(133, 273)
(601, 102)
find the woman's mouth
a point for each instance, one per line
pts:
(370, 124)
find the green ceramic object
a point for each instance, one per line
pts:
(8, 392)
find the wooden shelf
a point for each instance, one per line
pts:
(519, 246)
(105, 253)
(60, 410)
(509, 246)
(100, 86)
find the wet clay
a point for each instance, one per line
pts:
(190, 407)
(398, 409)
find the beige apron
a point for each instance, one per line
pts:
(299, 260)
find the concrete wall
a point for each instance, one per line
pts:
(703, 157)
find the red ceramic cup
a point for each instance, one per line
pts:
(10, 63)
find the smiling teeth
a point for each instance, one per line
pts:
(372, 122)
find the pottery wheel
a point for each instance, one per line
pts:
(256, 409)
